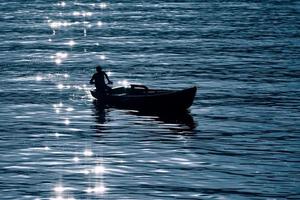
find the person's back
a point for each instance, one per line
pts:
(99, 80)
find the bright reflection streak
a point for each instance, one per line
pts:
(66, 75)
(56, 135)
(124, 83)
(62, 198)
(98, 189)
(88, 152)
(99, 23)
(69, 109)
(58, 61)
(76, 13)
(76, 159)
(109, 73)
(83, 14)
(103, 5)
(67, 122)
(59, 57)
(102, 57)
(62, 55)
(58, 24)
(89, 190)
(86, 14)
(49, 40)
(63, 4)
(60, 104)
(86, 171)
(55, 25)
(60, 86)
(59, 189)
(38, 78)
(99, 169)
(71, 43)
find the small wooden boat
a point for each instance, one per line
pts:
(140, 97)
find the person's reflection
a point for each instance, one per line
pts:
(100, 113)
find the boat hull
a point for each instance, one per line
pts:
(152, 100)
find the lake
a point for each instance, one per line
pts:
(239, 139)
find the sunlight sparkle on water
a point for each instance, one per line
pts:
(59, 57)
(87, 14)
(98, 189)
(58, 24)
(57, 135)
(71, 43)
(88, 152)
(99, 23)
(59, 188)
(76, 13)
(62, 4)
(55, 25)
(69, 109)
(67, 122)
(62, 198)
(38, 78)
(103, 5)
(59, 105)
(76, 159)
(102, 57)
(99, 169)
(58, 61)
(124, 83)
(86, 171)
(60, 86)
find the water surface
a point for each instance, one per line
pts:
(239, 140)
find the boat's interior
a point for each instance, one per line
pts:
(136, 90)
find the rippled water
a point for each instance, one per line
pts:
(239, 140)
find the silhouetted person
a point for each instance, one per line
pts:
(99, 80)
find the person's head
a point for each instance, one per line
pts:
(98, 68)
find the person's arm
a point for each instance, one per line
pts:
(109, 82)
(92, 81)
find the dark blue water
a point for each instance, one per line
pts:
(239, 140)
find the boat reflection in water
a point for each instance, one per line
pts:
(178, 122)
(182, 118)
